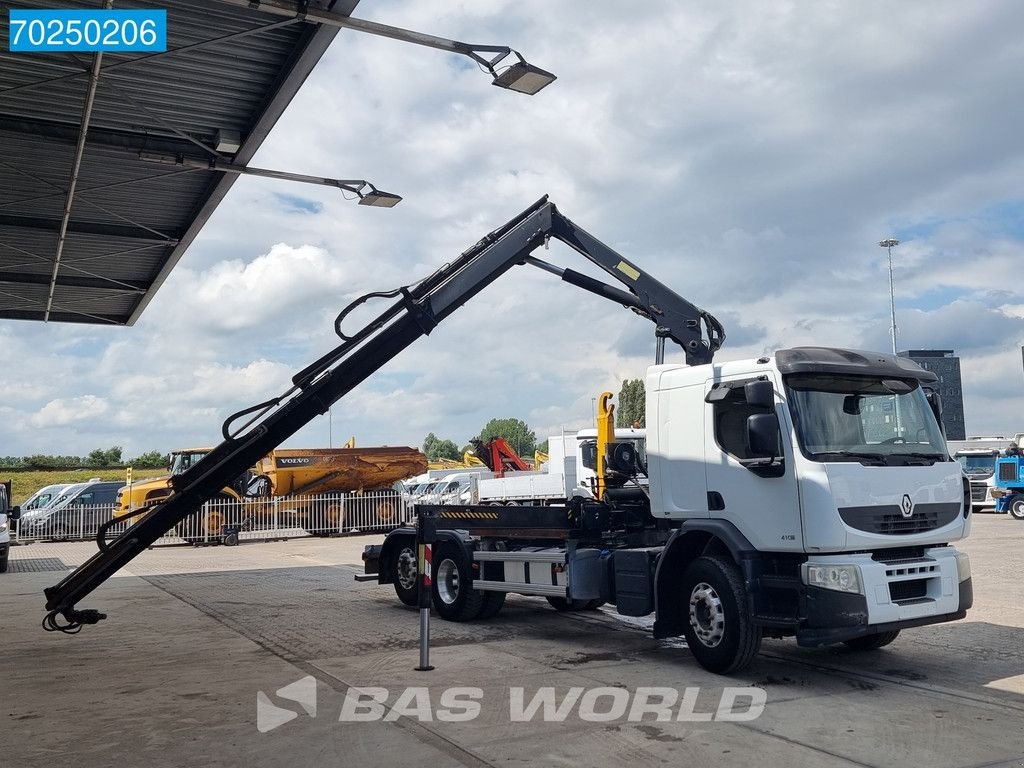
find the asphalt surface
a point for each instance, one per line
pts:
(196, 637)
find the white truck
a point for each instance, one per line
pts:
(782, 499)
(569, 472)
(776, 507)
(8, 514)
(977, 456)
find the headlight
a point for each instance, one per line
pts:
(3, 523)
(996, 493)
(963, 566)
(841, 578)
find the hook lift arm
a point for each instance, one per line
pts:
(419, 308)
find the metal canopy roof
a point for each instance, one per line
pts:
(88, 230)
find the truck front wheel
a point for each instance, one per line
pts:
(454, 598)
(719, 631)
(1016, 506)
(405, 574)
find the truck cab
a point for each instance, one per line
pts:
(977, 457)
(8, 514)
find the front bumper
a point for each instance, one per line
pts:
(894, 595)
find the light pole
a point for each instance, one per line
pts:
(889, 244)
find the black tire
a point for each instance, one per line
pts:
(329, 514)
(205, 527)
(1016, 506)
(4, 560)
(719, 630)
(493, 602)
(387, 506)
(871, 642)
(454, 599)
(405, 574)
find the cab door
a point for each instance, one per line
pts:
(755, 493)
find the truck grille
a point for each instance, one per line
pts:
(979, 491)
(908, 590)
(898, 553)
(888, 519)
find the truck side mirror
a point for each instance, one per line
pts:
(935, 402)
(760, 394)
(763, 436)
(14, 513)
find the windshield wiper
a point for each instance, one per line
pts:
(930, 458)
(862, 456)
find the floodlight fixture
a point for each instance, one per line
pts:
(522, 76)
(367, 193)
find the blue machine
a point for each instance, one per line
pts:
(1010, 480)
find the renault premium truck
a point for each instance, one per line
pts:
(783, 498)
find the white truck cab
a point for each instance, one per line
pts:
(840, 461)
(8, 514)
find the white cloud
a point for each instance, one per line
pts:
(60, 412)
(748, 155)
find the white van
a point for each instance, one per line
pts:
(44, 496)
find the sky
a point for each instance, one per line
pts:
(748, 155)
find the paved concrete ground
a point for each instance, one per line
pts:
(172, 677)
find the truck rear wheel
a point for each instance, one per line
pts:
(871, 642)
(405, 574)
(493, 601)
(720, 631)
(1016, 506)
(454, 599)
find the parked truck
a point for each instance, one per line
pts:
(8, 514)
(768, 511)
(319, 488)
(977, 456)
(1009, 482)
(570, 470)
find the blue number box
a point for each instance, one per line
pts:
(35, 31)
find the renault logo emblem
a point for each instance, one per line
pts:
(907, 506)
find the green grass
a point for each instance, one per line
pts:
(24, 484)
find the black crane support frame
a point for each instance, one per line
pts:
(419, 309)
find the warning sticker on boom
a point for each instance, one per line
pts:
(628, 270)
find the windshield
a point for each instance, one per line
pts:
(43, 497)
(853, 418)
(180, 462)
(978, 465)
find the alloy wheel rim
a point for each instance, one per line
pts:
(447, 580)
(707, 615)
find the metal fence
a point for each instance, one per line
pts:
(250, 519)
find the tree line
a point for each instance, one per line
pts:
(630, 411)
(517, 433)
(95, 459)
